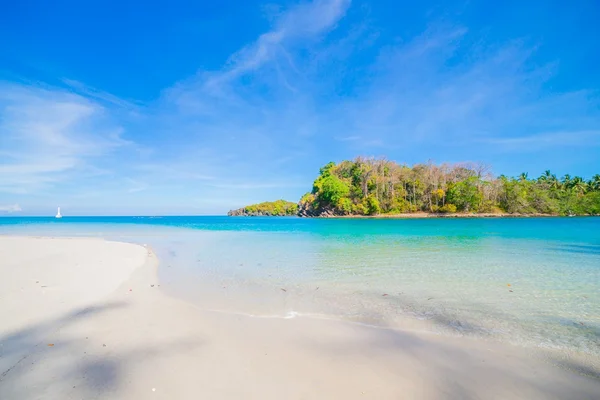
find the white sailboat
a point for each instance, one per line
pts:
(58, 213)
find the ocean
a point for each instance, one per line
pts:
(532, 282)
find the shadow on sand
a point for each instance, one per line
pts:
(62, 358)
(79, 365)
(453, 369)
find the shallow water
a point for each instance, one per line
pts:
(529, 281)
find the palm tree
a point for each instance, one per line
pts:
(566, 181)
(554, 182)
(523, 176)
(594, 183)
(578, 185)
(546, 176)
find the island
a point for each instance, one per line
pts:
(377, 187)
(278, 208)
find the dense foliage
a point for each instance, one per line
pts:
(277, 208)
(375, 186)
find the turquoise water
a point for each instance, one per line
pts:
(529, 281)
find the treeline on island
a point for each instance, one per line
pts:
(368, 186)
(279, 208)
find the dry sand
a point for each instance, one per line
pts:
(80, 319)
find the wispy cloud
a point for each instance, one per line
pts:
(256, 110)
(360, 141)
(351, 138)
(253, 77)
(136, 186)
(101, 96)
(416, 93)
(10, 208)
(190, 171)
(258, 185)
(305, 21)
(48, 135)
(549, 139)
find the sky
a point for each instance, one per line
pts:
(192, 107)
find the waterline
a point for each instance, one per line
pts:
(531, 282)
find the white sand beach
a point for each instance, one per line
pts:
(87, 319)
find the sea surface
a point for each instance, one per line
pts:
(533, 282)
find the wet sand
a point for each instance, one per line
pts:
(86, 318)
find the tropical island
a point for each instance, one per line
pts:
(379, 187)
(278, 208)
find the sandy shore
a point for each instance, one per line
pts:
(86, 319)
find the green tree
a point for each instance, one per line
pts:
(333, 189)
(344, 205)
(546, 176)
(523, 176)
(372, 205)
(594, 183)
(578, 185)
(513, 198)
(465, 195)
(566, 181)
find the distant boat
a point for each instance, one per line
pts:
(58, 213)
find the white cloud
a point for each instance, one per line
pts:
(418, 93)
(302, 23)
(258, 185)
(549, 139)
(244, 120)
(351, 138)
(11, 208)
(47, 135)
(442, 86)
(136, 186)
(101, 96)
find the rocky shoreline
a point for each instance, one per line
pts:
(308, 212)
(242, 212)
(439, 215)
(278, 208)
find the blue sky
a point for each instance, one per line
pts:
(182, 107)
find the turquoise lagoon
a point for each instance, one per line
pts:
(529, 281)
